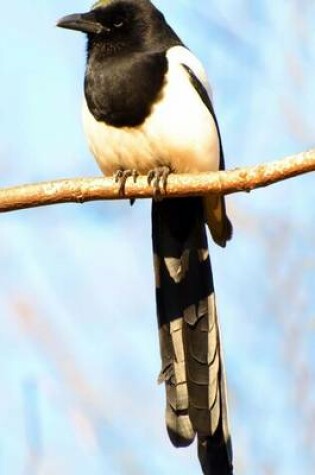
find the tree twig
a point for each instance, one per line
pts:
(80, 190)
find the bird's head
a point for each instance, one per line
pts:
(115, 23)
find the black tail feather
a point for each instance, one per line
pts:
(192, 367)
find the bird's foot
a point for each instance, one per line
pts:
(121, 176)
(157, 178)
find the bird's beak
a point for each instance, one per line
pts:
(85, 22)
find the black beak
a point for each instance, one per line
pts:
(85, 22)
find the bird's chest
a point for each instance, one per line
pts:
(178, 132)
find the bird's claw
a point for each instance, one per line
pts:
(157, 178)
(121, 176)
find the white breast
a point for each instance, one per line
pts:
(180, 131)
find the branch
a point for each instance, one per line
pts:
(80, 190)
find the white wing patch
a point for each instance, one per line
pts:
(180, 132)
(182, 55)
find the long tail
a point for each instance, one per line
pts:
(192, 366)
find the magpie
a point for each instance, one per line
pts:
(148, 109)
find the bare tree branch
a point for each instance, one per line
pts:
(80, 190)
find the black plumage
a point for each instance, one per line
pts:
(192, 366)
(127, 79)
(112, 96)
(127, 68)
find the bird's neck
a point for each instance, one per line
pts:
(101, 50)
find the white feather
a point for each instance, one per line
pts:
(182, 55)
(180, 131)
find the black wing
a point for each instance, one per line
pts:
(204, 96)
(214, 205)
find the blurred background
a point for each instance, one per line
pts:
(79, 353)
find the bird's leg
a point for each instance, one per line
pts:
(158, 179)
(121, 177)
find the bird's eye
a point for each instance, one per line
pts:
(118, 23)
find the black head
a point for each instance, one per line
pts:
(123, 26)
(117, 24)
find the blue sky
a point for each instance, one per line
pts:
(79, 351)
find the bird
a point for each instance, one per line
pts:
(148, 110)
